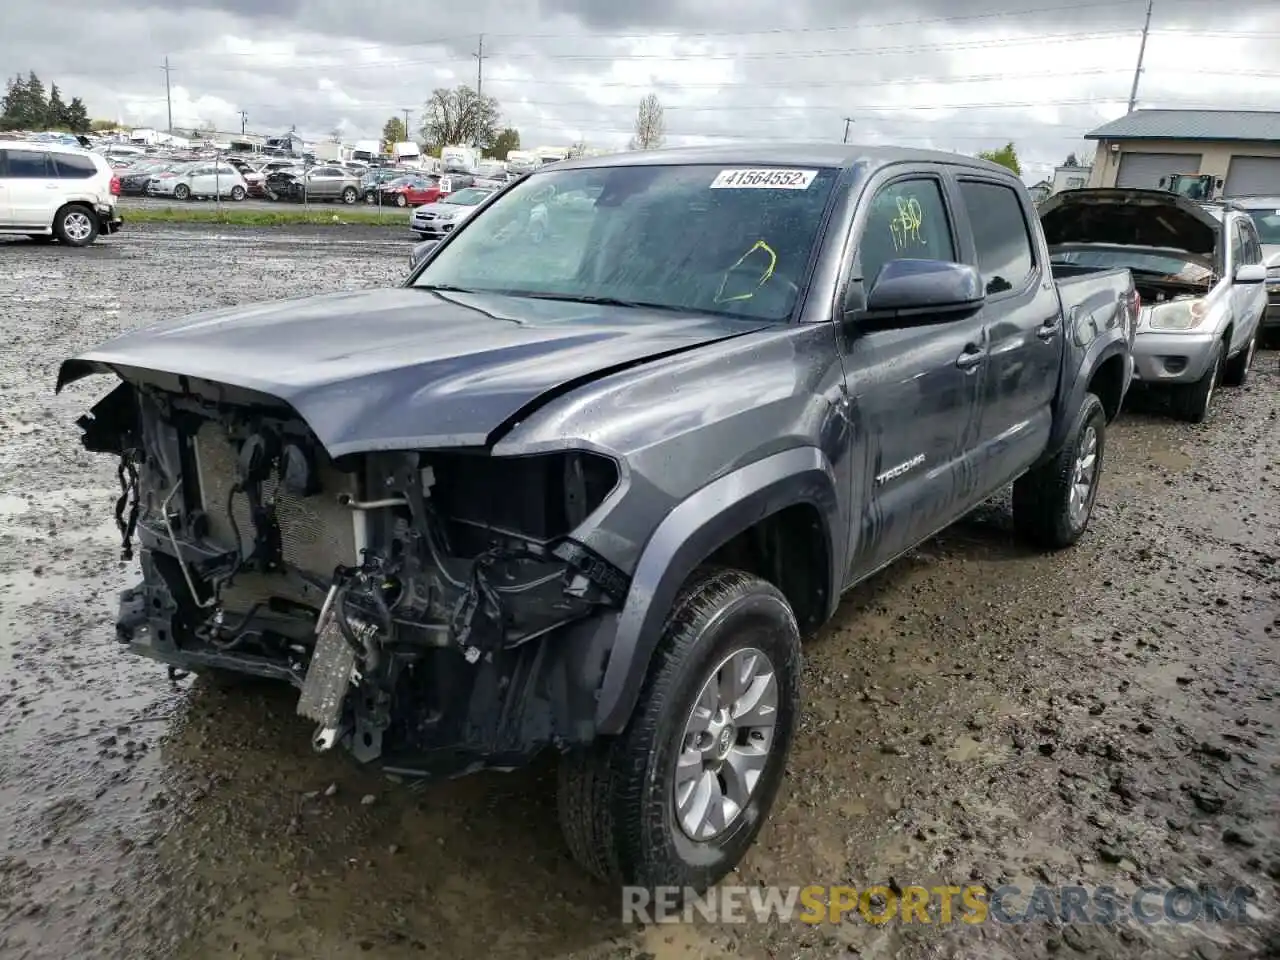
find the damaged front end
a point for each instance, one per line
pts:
(430, 606)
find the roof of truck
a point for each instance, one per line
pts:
(784, 154)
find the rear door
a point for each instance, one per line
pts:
(1023, 318)
(34, 192)
(914, 390)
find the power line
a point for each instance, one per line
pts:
(860, 26)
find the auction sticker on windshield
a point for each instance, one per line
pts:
(776, 179)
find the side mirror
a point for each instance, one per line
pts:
(420, 251)
(1251, 273)
(924, 290)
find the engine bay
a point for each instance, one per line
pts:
(381, 584)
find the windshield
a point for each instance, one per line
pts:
(694, 237)
(466, 198)
(1161, 264)
(1268, 224)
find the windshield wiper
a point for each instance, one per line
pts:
(444, 288)
(606, 301)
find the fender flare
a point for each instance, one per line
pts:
(1099, 352)
(693, 530)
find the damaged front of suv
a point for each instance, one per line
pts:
(404, 592)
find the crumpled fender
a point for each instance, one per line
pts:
(692, 531)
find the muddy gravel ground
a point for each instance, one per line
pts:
(977, 714)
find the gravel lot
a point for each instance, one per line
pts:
(976, 714)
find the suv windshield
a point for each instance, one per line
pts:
(694, 237)
(1268, 223)
(1159, 264)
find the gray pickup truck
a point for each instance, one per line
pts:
(585, 488)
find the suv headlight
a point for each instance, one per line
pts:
(1177, 315)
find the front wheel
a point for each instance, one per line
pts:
(182, 192)
(1236, 370)
(350, 195)
(238, 193)
(401, 200)
(1191, 402)
(679, 796)
(1052, 503)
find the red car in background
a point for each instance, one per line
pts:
(411, 191)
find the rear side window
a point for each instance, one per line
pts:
(72, 166)
(29, 165)
(1000, 234)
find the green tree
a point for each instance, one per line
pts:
(505, 142)
(55, 114)
(37, 101)
(15, 98)
(1006, 156)
(460, 116)
(393, 131)
(77, 116)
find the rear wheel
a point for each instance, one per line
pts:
(75, 226)
(1191, 402)
(1053, 502)
(679, 796)
(401, 200)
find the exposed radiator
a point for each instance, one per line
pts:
(316, 534)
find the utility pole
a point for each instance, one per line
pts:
(168, 97)
(1142, 51)
(244, 119)
(479, 55)
(847, 122)
(406, 124)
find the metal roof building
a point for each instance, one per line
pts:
(1239, 147)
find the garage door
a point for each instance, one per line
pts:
(1253, 177)
(1144, 170)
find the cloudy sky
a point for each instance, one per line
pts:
(954, 74)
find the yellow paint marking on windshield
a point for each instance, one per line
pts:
(764, 277)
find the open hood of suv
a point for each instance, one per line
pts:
(1139, 218)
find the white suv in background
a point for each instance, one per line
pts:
(48, 189)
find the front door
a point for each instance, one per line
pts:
(914, 390)
(1024, 324)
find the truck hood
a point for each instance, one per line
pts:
(1271, 254)
(406, 368)
(1141, 218)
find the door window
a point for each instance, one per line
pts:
(1238, 255)
(29, 165)
(1000, 234)
(908, 221)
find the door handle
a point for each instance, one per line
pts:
(1047, 331)
(971, 357)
